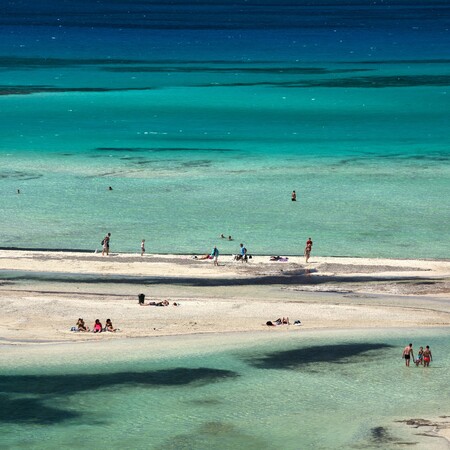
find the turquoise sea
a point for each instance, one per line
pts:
(333, 391)
(204, 116)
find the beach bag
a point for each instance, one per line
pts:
(103, 242)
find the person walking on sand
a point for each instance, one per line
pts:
(408, 354)
(215, 255)
(105, 244)
(294, 196)
(142, 247)
(308, 248)
(243, 253)
(427, 356)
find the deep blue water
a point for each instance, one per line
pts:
(228, 30)
(204, 116)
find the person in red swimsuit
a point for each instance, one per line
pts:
(308, 248)
(427, 356)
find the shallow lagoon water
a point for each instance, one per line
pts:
(254, 392)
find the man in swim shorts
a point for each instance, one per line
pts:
(427, 356)
(408, 354)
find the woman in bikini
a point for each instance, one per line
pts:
(427, 356)
(109, 326)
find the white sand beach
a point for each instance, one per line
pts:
(45, 293)
(42, 294)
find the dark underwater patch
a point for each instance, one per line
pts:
(162, 149)
(303, 357)
(17, 409)
(19, 62)
(401, 61)
(240, 69)
(435, 156)
(231, 15)
(69, 384)
(133, 158)
(381, 437)
(206, 402)
(31, 410)
(39, 89)
(215, 435)
(199, 163)
(394, 81)
(384, 81)
(19, 175)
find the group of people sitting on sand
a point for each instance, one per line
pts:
(97, 328)
(281, 321)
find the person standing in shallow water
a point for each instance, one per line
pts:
(427, 356)
(408, 354)
(142, 247)
(294, 196)
(105, 242)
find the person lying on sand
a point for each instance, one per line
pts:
(279, 321)
(207, 256)
(162, 303)
(278, 258)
